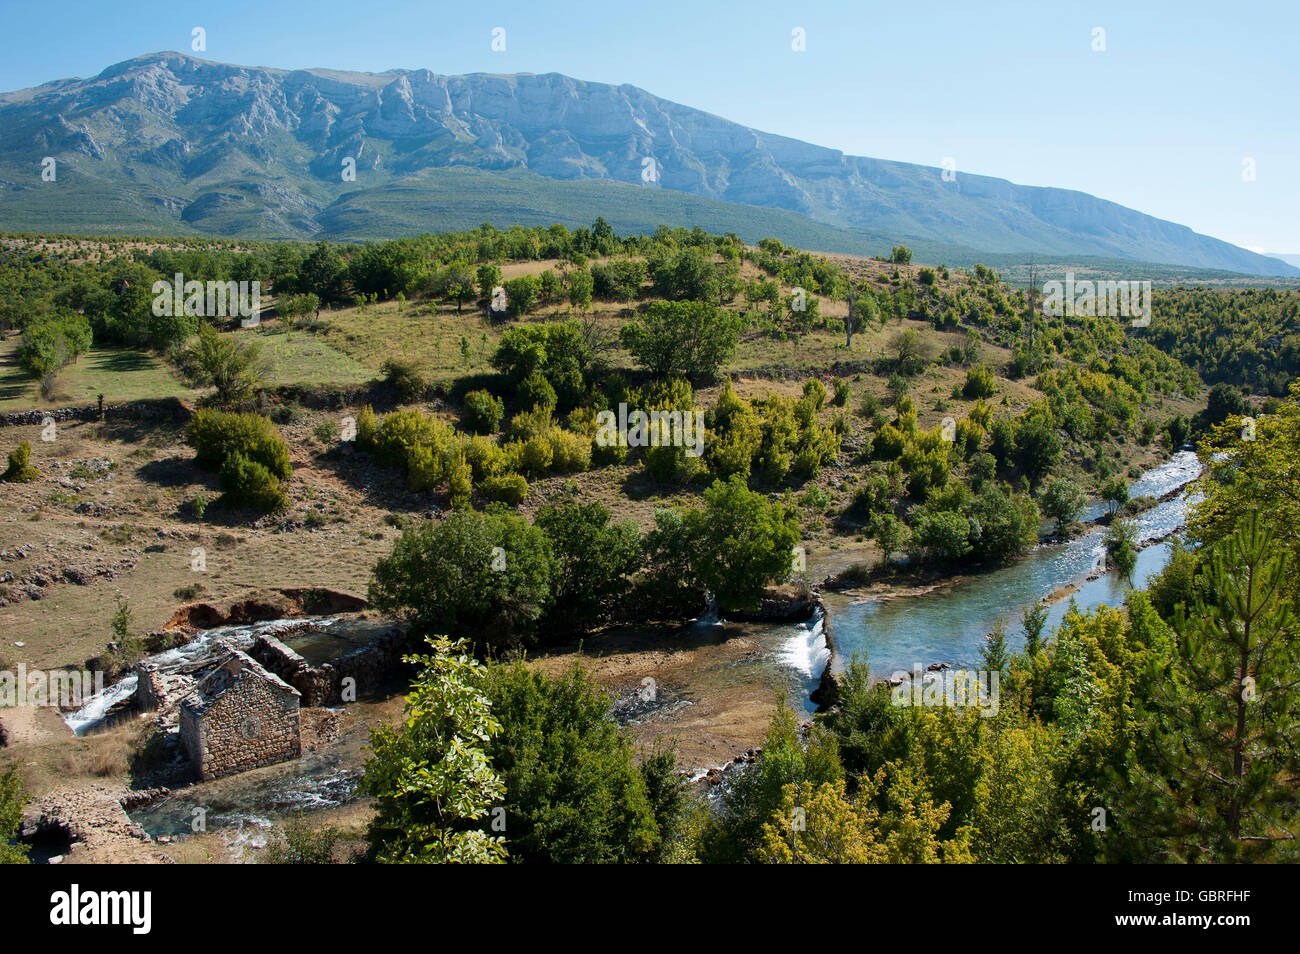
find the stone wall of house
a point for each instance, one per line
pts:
(370, 665)
(161, 693)
(322, 685)
(150, 687)
(285, 663)
(192, 739)
(252, 720)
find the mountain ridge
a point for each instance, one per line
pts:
(258, 150)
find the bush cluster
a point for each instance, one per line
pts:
(247, 451)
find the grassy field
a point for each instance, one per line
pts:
(297, 357)
(120, 374)
(423, 333)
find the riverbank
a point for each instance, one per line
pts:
(933, 619)
(708, 687)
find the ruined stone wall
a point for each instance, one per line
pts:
(373, 663)
(368, 665)
(192, 738)
(150, 687)
(138, 410)
(282, 661)
(253, 722)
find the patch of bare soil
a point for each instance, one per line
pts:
(705, 689)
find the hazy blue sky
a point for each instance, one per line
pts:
(1160, 121)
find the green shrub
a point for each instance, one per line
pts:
(188, 593)
(549, 286)
(531, 423)
(888, 443)
(557, 351)
(739, 543)
(425, 468)
(248, 483)
(302, 842)
(942, 534)
(618, 280)
(405, 379)
(688, 339)
(733, 450)
(670, 464)
(217, 435)
(505, 488)
(521, 295)
(816, 392)
(611, 452)
(327, 432)
(593, 559)
(483, 412)
(399, 434)
(460, 482)
(979, 383)
(20, 469)
(536, 391)
(817, 446)
(969, 435)
(531, 457)
(574, 792)
(485, 458)
(445, 577)
(570, 453)
(12, 801)
(367, 427)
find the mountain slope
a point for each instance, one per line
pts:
(167, 142)
(1289, 259)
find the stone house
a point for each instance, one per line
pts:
(239, 716)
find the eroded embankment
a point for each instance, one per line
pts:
(286, 603)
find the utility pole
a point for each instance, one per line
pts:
(853, 297)
(1031, 295)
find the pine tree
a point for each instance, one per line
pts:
(1034, 618)
(993, 655)
(1216, 768)
(20, 467)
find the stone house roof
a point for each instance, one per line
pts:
(234, 668)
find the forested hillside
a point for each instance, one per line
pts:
(1248, 337)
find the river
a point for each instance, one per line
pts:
(949, 624)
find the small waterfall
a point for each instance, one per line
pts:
(710, 616)
(196, 650)
(806, 651)
(98, 705)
